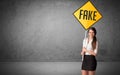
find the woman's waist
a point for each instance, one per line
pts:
(88, 55)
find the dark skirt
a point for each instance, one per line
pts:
(89, 63)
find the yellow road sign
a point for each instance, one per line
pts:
(87, 15)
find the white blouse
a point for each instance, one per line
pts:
(88, 46)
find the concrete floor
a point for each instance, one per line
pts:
(55, 68)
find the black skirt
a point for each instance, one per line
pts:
(89, 63)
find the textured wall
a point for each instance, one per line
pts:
(46, 30)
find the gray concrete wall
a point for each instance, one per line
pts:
(46, 30)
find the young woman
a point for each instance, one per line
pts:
(89, 52)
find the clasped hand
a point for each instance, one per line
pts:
(85, 50)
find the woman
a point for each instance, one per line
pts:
(89, 52)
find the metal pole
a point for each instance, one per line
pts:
(85, 40)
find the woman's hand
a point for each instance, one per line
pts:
(89, 51)
(83, 51)
(92, 52)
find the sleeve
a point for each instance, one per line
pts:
(96, 49)
(84, 45)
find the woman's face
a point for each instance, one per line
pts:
(91, 33)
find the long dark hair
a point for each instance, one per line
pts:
(94, 38)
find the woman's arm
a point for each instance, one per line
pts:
(82, 52)
(92, 52)
(89, 51)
